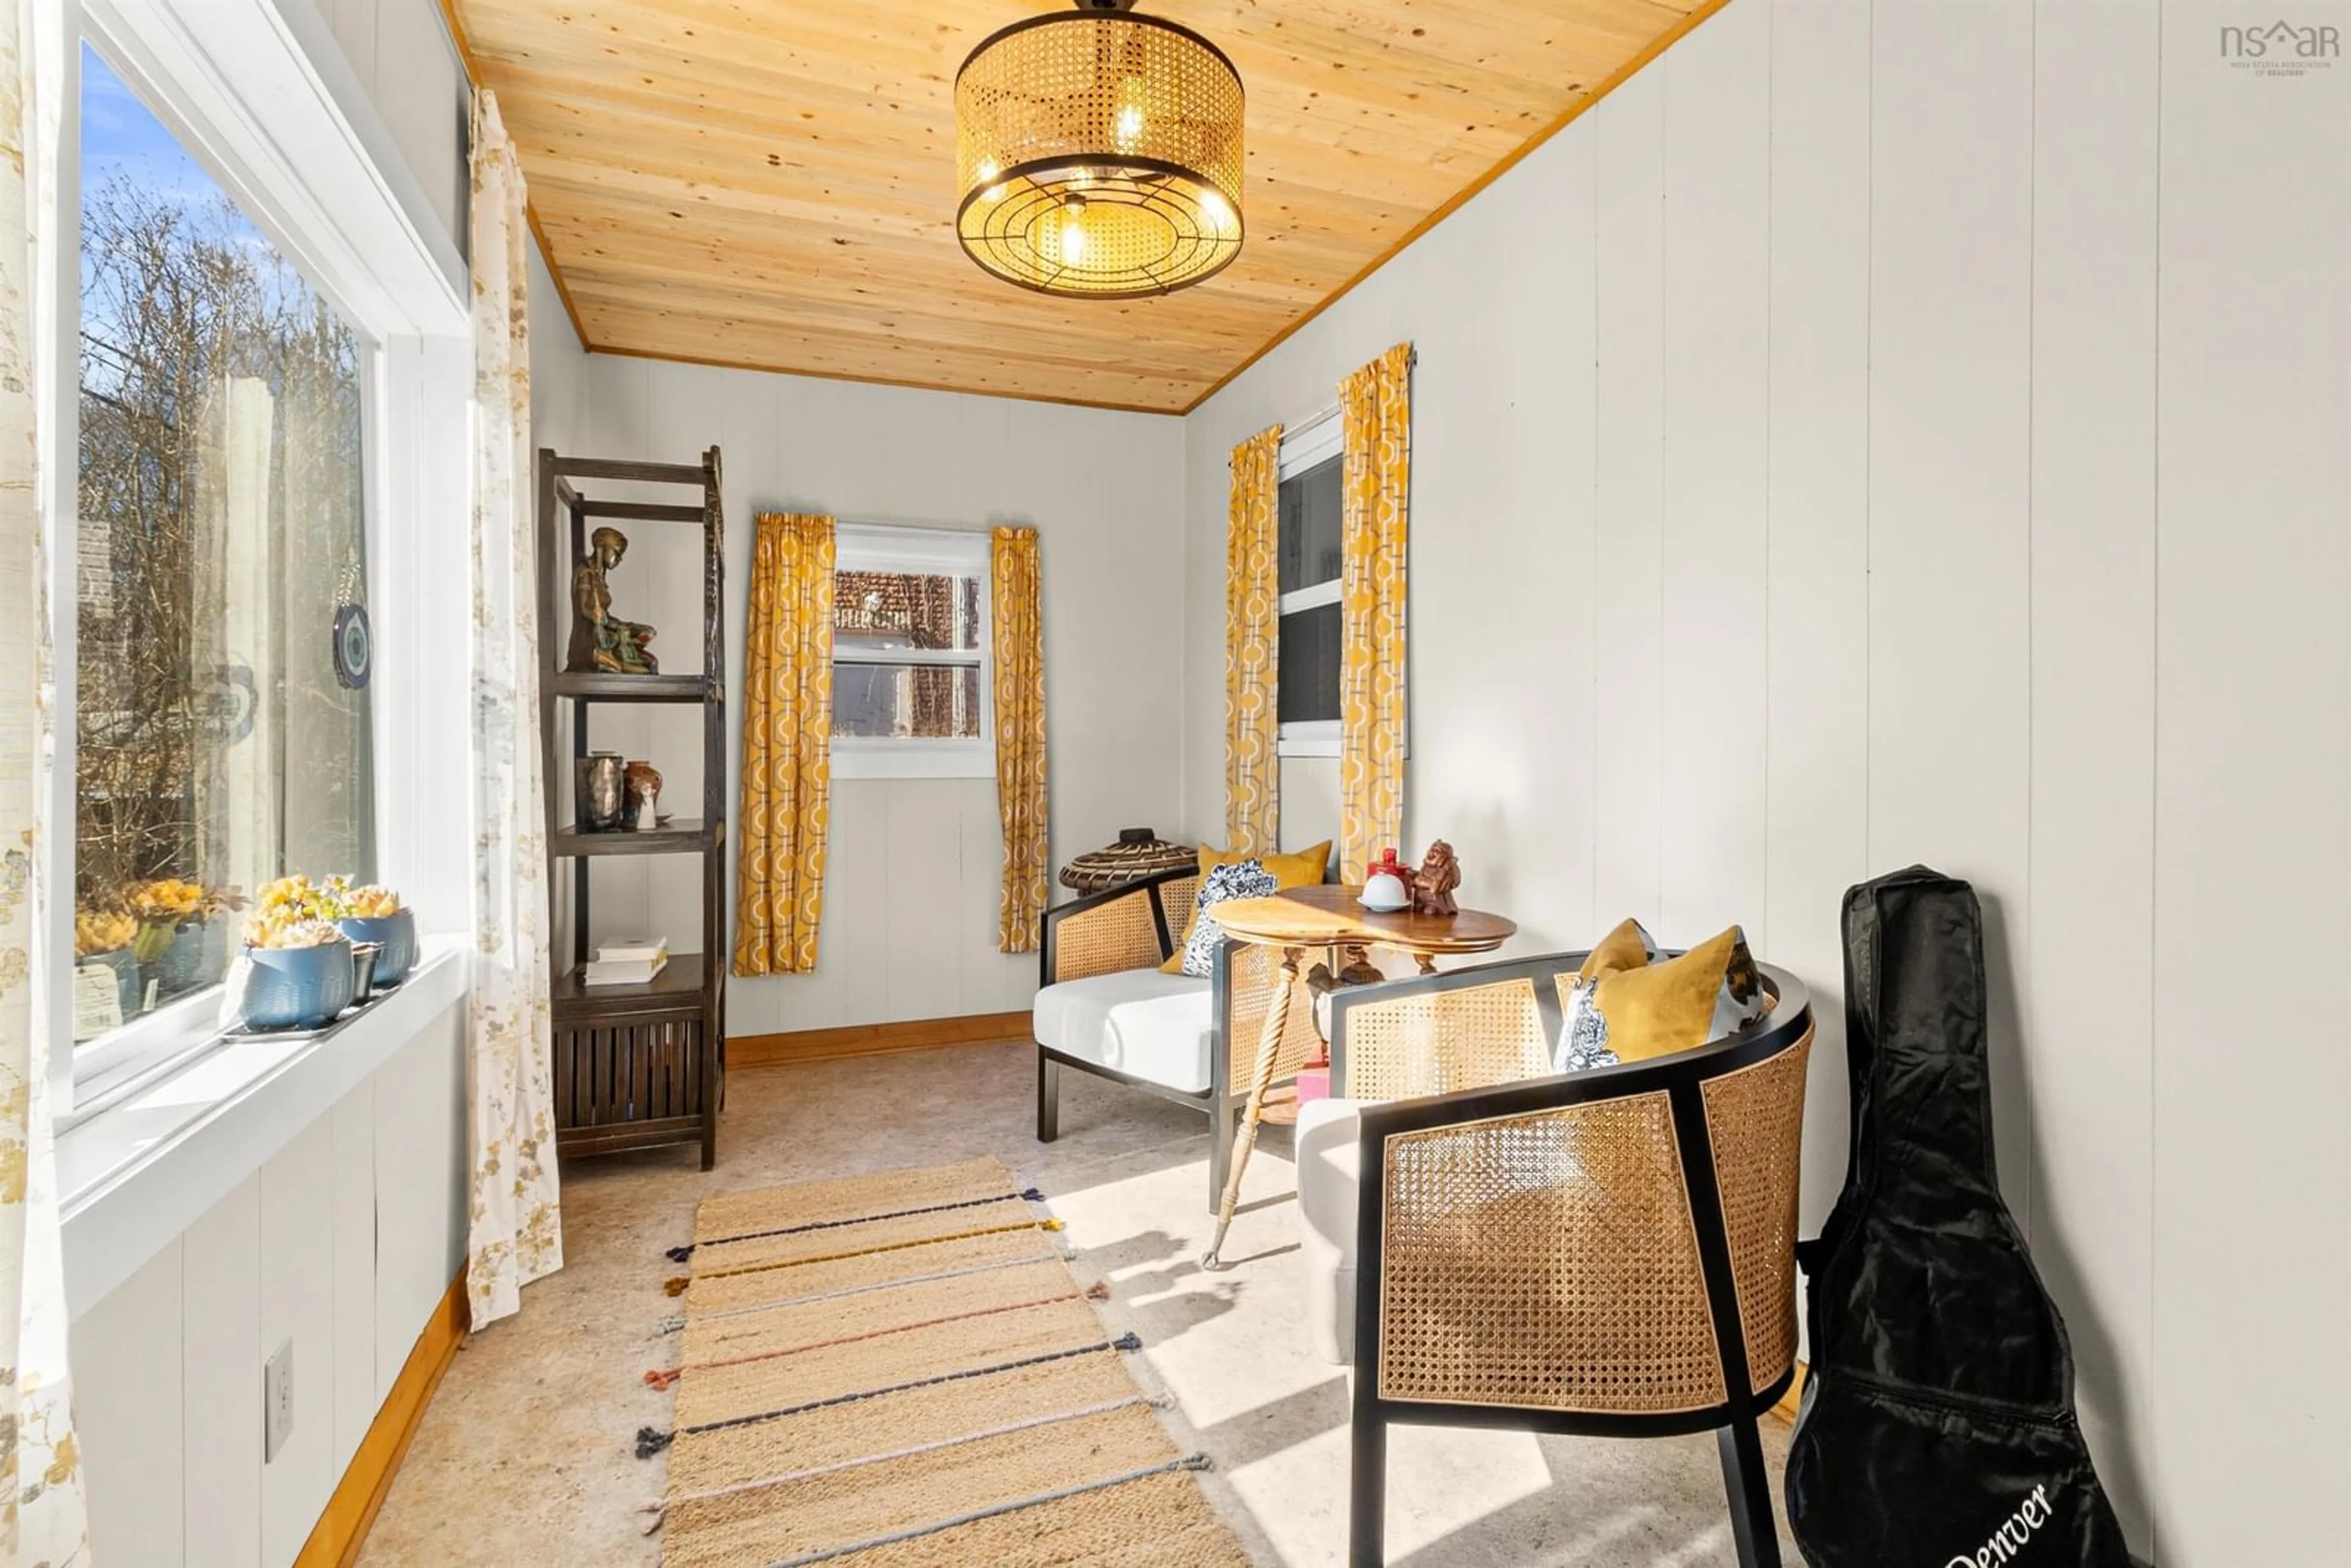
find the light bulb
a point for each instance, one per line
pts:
(1129, 131)
(1214, 208)
(1073, 231)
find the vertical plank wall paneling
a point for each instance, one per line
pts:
(342, 1243)
(220, 1276)
(2251, 1368)
(130, 1403)
(298, 1308)
(2056, 371)
(1711, 610)
(1950, 452)
(912, 866)
(353, 1377)
(1542, 746)
(1627, 568)
(2092, 894)
(1816, 657)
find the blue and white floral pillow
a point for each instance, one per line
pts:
(1234, 879)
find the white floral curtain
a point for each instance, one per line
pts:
(41, 1507)
(517, 1228)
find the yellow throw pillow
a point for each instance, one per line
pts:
(1675, 1004)
(1299, 868)
(1626, 947)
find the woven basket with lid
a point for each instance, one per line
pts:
(1139, 853)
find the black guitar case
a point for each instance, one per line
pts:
(1936, 1428)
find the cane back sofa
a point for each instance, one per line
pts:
(1609, 1252)
(1103, 1006)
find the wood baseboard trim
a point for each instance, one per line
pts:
(336, 1540)
(1791, 1400)
(874, 1038)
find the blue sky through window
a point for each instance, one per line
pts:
(119, 135)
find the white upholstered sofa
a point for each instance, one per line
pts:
(1103, 1006)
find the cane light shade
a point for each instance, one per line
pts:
(1098, 155)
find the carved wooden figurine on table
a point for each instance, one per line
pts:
(600, 641)
(1434, 883)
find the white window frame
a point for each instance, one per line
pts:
(258, 94)
(1309, 445)
(948, 551)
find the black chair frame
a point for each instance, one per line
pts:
(1683, 1078)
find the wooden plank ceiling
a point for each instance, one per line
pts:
(769, 182)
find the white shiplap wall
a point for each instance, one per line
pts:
(911, 875)
(1915, 431)
(341, 1243)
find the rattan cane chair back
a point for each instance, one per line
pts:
(1755, 1123)
(1544, 1263)
(1403, 1043)
(1177, 897)
(1116, 933)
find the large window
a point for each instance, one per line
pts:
(910, 650)
(1310, 548)
(218, 741)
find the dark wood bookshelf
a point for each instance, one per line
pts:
(637, 1066)
(685, 835)
(630, 688)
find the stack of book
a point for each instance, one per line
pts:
(629, 961)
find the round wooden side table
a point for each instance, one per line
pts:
(1327, 916)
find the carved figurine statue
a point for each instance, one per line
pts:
(1433, 884)
(600, 640)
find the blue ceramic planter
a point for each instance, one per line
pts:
(296, 987)
(128, 991)
(397, 934)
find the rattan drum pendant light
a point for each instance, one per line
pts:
(1098, 153)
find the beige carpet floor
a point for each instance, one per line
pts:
(526, 1455)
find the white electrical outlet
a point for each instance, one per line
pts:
(277, 1401)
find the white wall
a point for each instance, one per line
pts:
(1916, 433)
(912, 872)
(342, 1243)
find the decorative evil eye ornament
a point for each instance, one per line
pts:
(354, 646)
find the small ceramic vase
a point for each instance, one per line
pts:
(601, 794)
(644, 784)
(395, 934)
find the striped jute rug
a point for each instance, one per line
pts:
(899, 1371)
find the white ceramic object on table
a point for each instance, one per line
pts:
(1385, 892)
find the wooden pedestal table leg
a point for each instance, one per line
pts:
(1268, 1052)
(1427, 962)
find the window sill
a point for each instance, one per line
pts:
(137, 1172)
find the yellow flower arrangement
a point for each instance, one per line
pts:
(167, 898)
(370, 903)
(289, 928)
(102, 931)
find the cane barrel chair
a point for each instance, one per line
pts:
(1609, 1252)
(1103, 1006)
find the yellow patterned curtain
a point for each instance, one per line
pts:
(786, 746)
(1252, 639)
(1375, 404)
(1019, 737)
